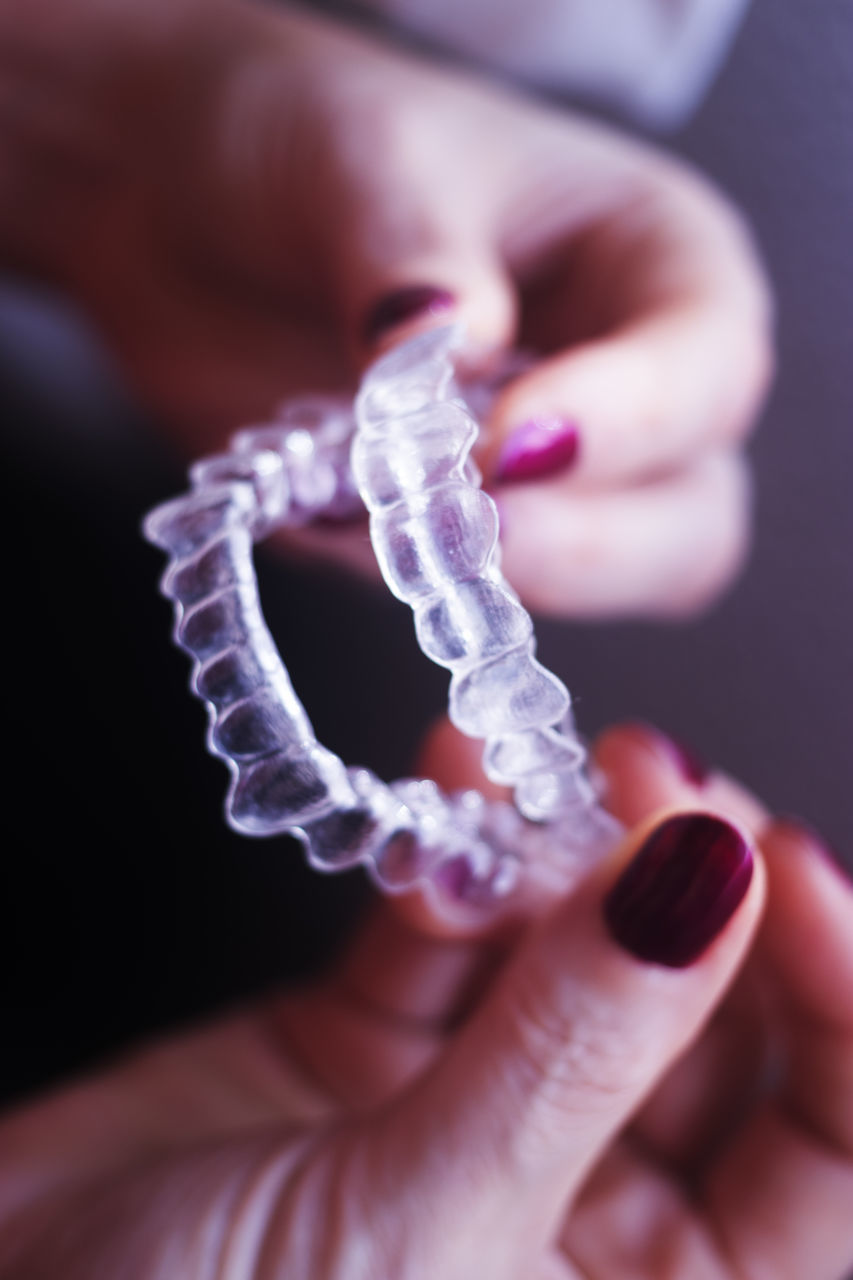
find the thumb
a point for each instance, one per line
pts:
(599, 1000)
(408, 259)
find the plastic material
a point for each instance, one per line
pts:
(435, 536)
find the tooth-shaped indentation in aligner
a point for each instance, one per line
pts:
(185, 525)
(220, 622)
(410, 377)
(220, 564)
(234, 674)
(261, 724)
(263, 469)
(443, 537)
(541, 795)
(286, 790)
(431, 450)
(311, 465)
(435, 535)
(507, 695)
(342, 839)
(512, 756)
(470, 623)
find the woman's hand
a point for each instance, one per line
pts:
(631, 1076)
(250, 202)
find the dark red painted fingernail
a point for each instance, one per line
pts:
(538, 448)
(689, 763)
(680, 890)
(413, 300)
(805, 831)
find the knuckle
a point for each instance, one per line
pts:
(695, 201)
(573, 1058)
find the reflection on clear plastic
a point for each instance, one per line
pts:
(435, 535)
(436, 549)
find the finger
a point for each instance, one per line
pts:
(685, 357)
(416, 969)
(602, 996)
(667, 547)
(414, 253)
(793, 1166)
(631, 1219)
(411, 973)
(419, 960)
(203, 356)
(705, 1096)
(400, 300)
(646, 769)
(455, 762)
(434, 948)
(695, 1105)
(641, 768)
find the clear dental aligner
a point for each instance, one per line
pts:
(435, 532)
(282, 780)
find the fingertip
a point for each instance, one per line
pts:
(796, 837)
(645, 399)
(805, 937)
(645, 771)
(542, 446)
(685, 877)
(646, 768)
(417, 297)
(602, 996)
(550, 419)
(406, 306)
(674, 753)
(661, 548)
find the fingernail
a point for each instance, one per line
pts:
(405, 304)
(690, 763)
(538, 448)
(680, 890)
(805, 831)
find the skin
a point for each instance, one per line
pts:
(507, 1094)
(227, 189)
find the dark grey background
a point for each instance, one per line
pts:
(128, 906)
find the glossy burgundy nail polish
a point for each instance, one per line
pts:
(407, 303)
(539, 447)
(680, 890)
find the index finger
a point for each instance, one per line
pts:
(441, 950)
(679, 364)
(793, 1164)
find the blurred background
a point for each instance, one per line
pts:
(128, 906)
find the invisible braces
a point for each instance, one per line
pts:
(435, 536)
